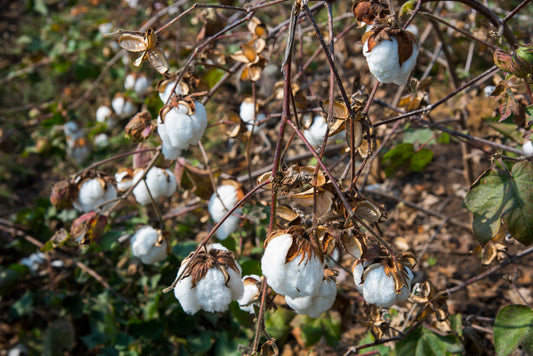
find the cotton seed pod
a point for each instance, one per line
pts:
(124, 178)
(94, 192)
(160, 182)
(316, 132)
(367, 11)
(62, 194)
(250, 116)
(179, 127)
(379, 288)
(390, 53)
(250, 295)
(139, 127)
(370, 211)
(149, 245)
(315, 305)
(519, 63)
(291, 265)
(209, 281)
(123, 106)
(230, 193)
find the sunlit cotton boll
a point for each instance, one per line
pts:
(317, 304)
(316, 132)
(165, 95)
(247, 112)
(94, 192)
(139, 83)
(123, 179)
(250, 294)
(378, 288)
(160, 182)
(212, 293)
(217, 210)
(180, 130)
(527, 147)
(296, 278)
(383, 61)
(148, 245)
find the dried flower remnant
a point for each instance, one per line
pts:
(149, 245)
(146, 45)
(390, 53)
(139, 127)
(63, 193)
(209, 281)
(366, 12)
(230, 192)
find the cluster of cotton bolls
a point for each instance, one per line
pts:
(220, 203)
(316, 132)
(210, 281)
(299, 278)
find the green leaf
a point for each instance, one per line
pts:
(421, 159)
(424, 342)
(380, 349)
(277, 324)
(513, 327)
(332, 326)
(498, 195)
(419, 136)
(404, 158)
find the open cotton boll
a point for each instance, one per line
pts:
(129, 82)
(160, 183)
(378, 288)
(104, 115)
(247, 114)
(250, 293)
(122, 106)
(383, 61)
(316, 132)
(299, 277)
(92, 193)
(101, 140)
(180, 130)
(165, 95)
(33, 261)
(217, 210)
(317, 304)
(148, 245)
(527, 147)
(141, 85)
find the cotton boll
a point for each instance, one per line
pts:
(250, 293)
(92, 193)
(129, 82)
(105, 28)
(186, 294)
(148, 245)
(123, 179)
(103, 114)
(122, 106)
(217, 210)
(247, 114)
(316, 132)
(142, 84)
(180, 130)
(101, 140)
(527, 147)
(297, 278)
(165, 94)
(33, 261)
(160, 183)
(315, 305)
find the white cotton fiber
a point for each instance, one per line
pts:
(94, 192)
(144, 245)
(217, 210)
(317, 304)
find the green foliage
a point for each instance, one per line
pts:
(513, 328)
(503, 195)
(328, 325)
(423, 342)
(403, 158)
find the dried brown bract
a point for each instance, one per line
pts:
(197, 266)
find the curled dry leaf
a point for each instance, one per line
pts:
(370, 211)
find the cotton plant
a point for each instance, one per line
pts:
(250, 116)
(380, 286)
(148, 245)
(105, 115)
(227, 195)
(316, 132)
(316, 304)
(157, 183)
(94, 192)
(124, 178)
(139, 83)
(250, 295)
(181, 126)
(391, 53)
(166, 89)
(209, 281)
(291, 265)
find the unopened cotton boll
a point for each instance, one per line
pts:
(299, 277)
(248, 114)
(179, 129)
(148, 245)
(212, 292)
(384, 63)
(217, 210)
(94, 192)
(317, 304)
(527, 147)
(378, 288)
(250, 293)
(160, 182)
(316, 132)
